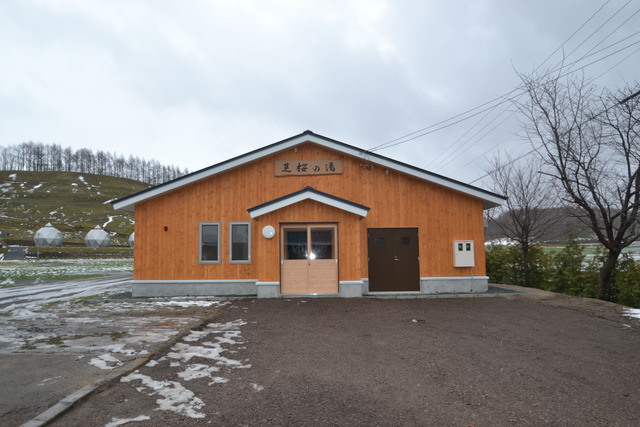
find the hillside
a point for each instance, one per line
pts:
(72, 202)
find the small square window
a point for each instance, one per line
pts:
(379, 241)
(405, 241)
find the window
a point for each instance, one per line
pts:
(322, 244)
(209, 243)
(295, 243)
(240, 243)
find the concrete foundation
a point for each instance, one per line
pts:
(453, 285)
(255, 288)
(440, 285)
(268, 289)
(184, 288)
(351, 289)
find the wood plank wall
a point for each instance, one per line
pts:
(167, 226)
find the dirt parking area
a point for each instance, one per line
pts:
(540, 359)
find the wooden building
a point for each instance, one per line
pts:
(309, 215)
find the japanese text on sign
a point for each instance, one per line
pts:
(308, 167)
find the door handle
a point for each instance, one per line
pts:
(395, 258)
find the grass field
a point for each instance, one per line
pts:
(72, 202)
(591, 250)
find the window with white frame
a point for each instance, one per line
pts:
(240, 243)
(209, 243)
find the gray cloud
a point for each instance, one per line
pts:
(193, 83)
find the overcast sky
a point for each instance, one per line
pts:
(192, 83)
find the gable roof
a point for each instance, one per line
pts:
(488, 198)
(308, 193)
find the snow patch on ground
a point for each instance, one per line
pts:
(105, 361)
(173, 395)
(193, 303)
(115, 422)
(49, 380)
(198, 370)
(109, 220)
(632, 312)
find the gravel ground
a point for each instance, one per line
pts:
(535, 359)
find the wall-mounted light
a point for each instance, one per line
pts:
(268, 231)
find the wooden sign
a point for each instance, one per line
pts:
(308, 167)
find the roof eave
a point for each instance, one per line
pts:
(308, 193)
(128, 203)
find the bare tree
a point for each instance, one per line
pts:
(590, 144)
(524, 217)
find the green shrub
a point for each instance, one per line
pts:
(501, 262)
(627, 282)
(566, 271)
(505, 265)
(567, 274)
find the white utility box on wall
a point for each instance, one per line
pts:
(463, 253)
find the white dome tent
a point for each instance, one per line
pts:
(48, 236)
(97, 237)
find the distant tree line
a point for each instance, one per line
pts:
(39, 157)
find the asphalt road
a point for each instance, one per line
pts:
(534, 359)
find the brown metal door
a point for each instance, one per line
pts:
(394, 264)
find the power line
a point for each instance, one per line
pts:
(508, 163)
(571, 36)
(600, 27)
(588, 54)
(430, 129)
(618, 63)
(451, 158)
(490, 106)
(462, 136)
(502, 99)
(633, 95)
(612, 32)
(390, 143)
